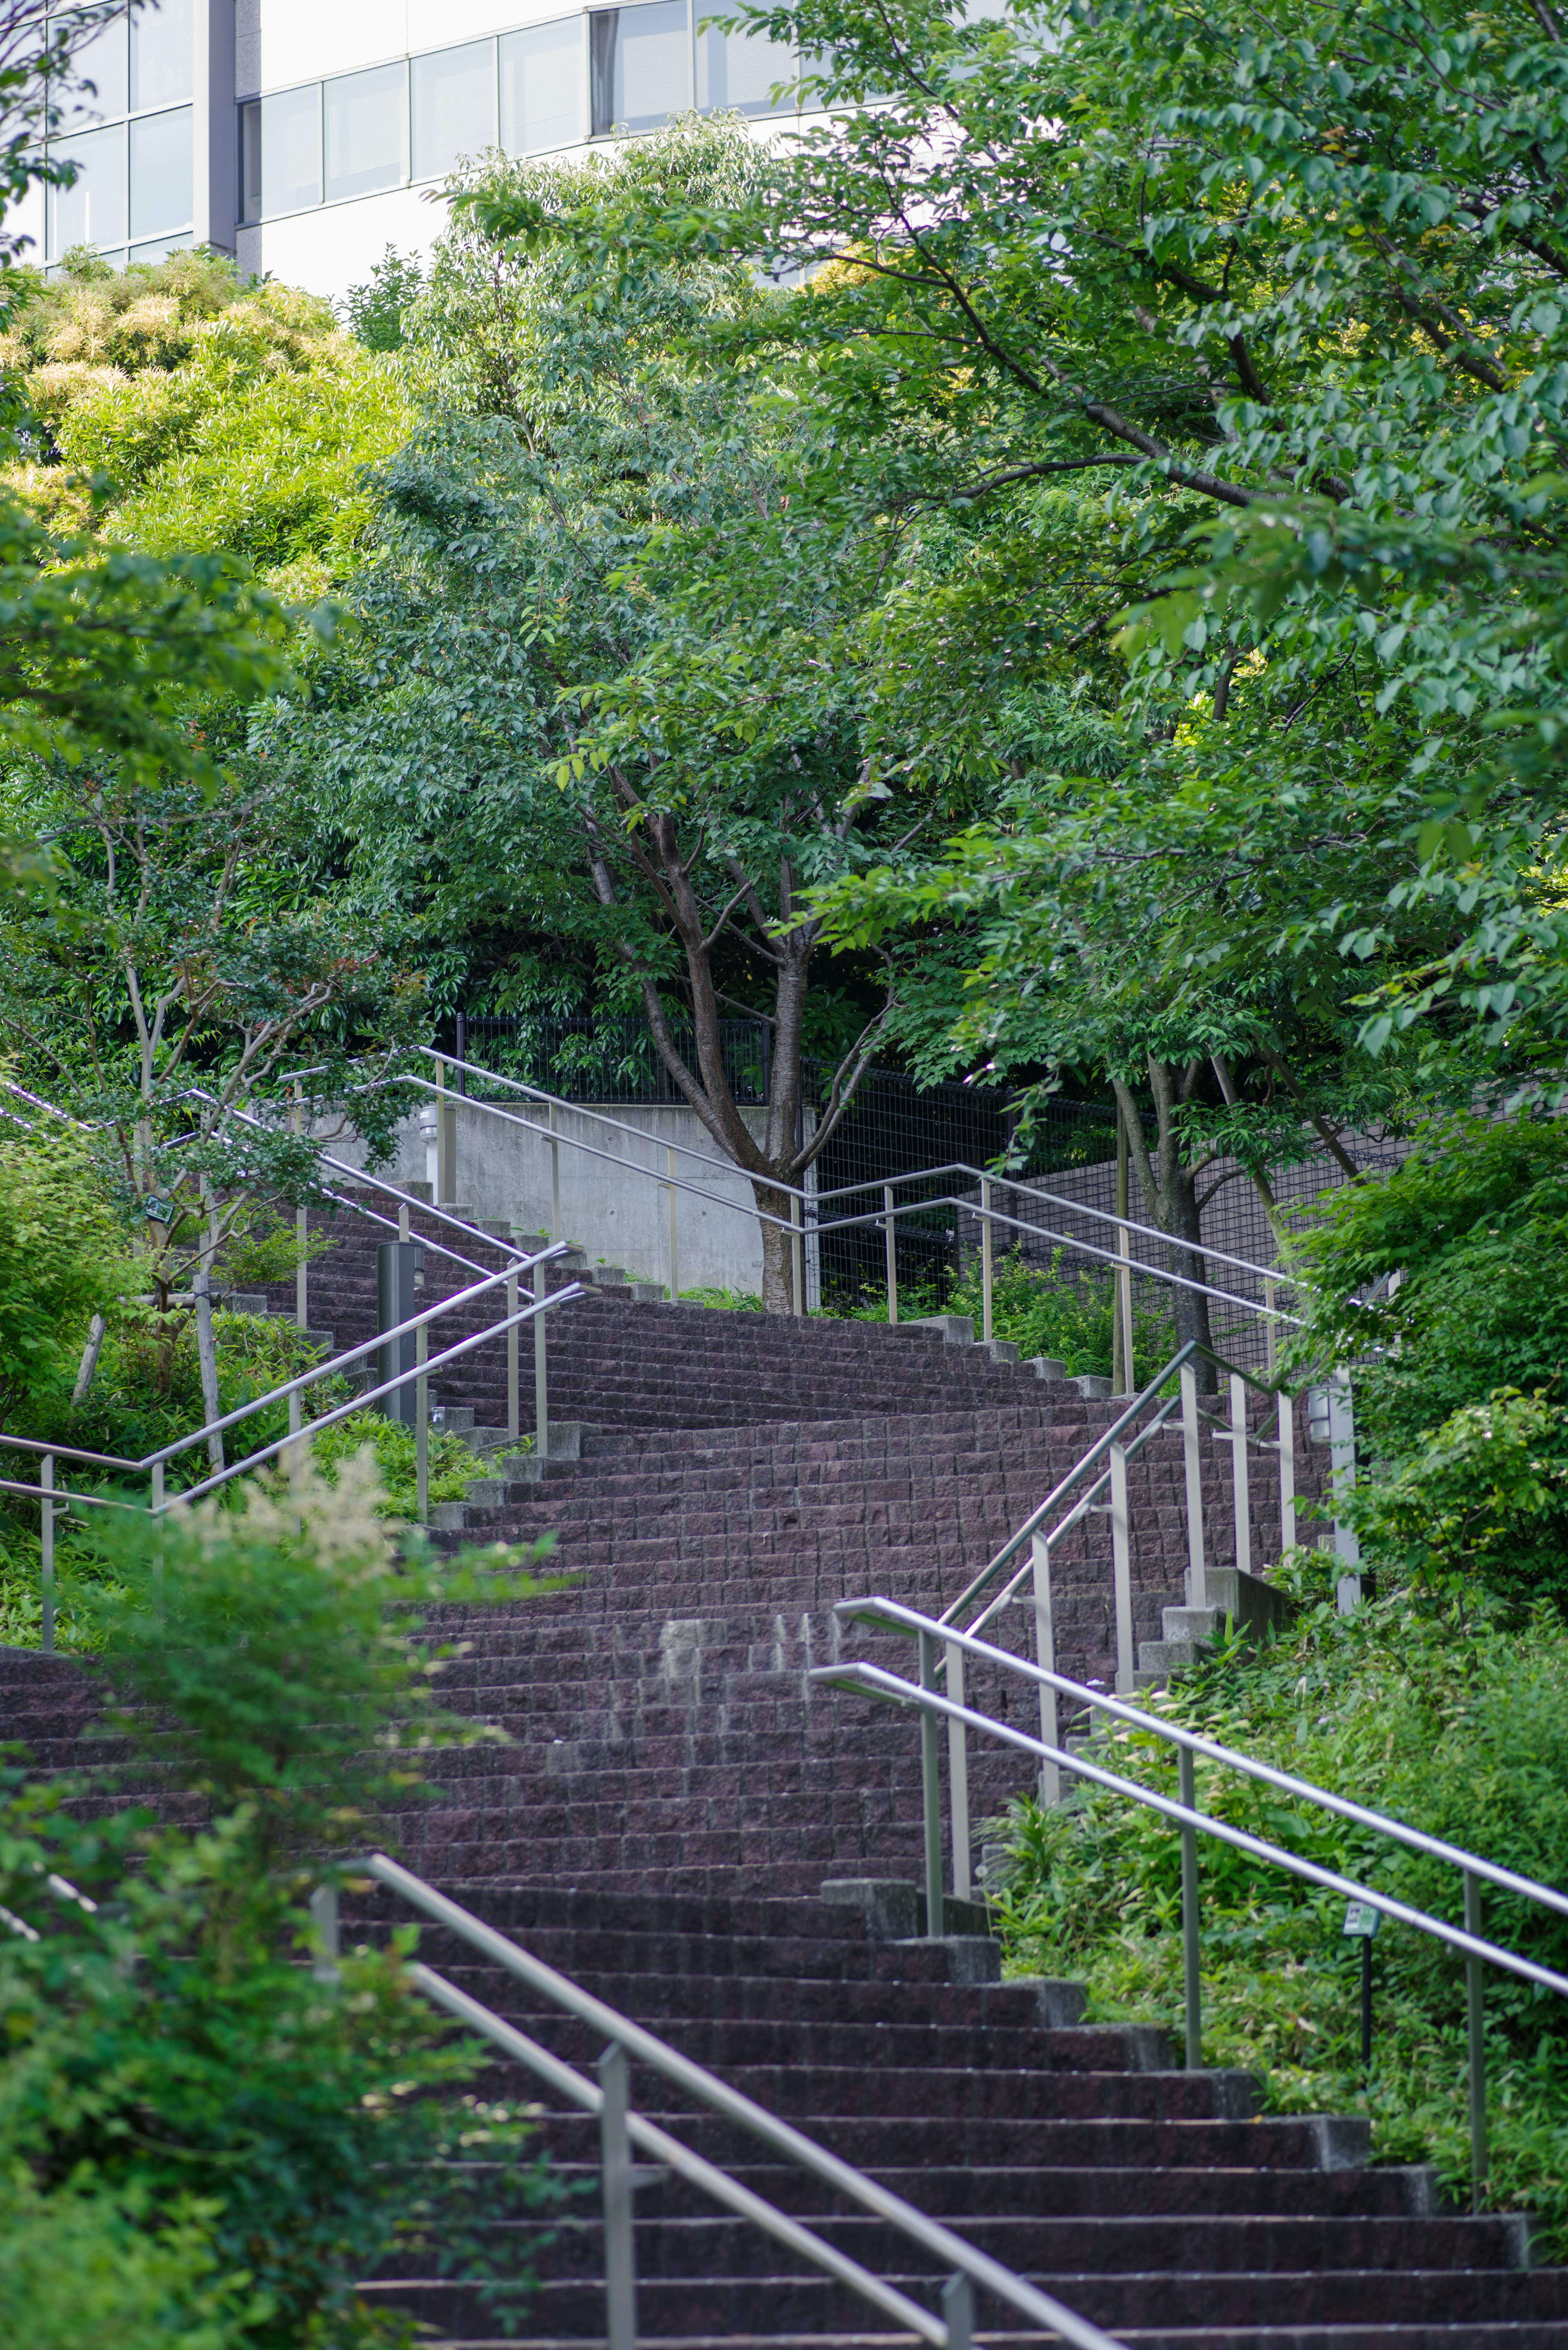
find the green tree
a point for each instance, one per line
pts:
(1287, 290)
(609, 701)
(174, 406)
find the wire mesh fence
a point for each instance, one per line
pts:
(894, 1124)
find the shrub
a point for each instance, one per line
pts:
(1453, 1722)
(1043, 1310)
(229, 2141)
(61, 1261)
(76, 2267)
(257, 2137)
(1476, 1219)
(281, 1627)
(1482, 1499)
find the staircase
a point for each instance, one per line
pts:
(676, 1803)
(1151, 2200)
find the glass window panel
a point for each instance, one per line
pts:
(454, 96)
(737, 71)
(641, 66)
(161, 246)
(160, 65)
(283, 159)
(542, 87)
(366, 121)
(103, 61)
(93, 211)
(249, 163)
(160, 174)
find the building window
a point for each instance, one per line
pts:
(160, 174)
(105, 61)
(366, 122)
(161, 62)
(453, 106)
(134, 177)
(362, 133)
(92, 211)
(737, 72)
(542, 87)
(281, 149)
(640, 65)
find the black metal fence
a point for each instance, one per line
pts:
(892, 1125)
(607, 1060)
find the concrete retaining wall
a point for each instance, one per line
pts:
(618, 1215)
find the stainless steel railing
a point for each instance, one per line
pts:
(862, 1677)
(1080, 1495)
(622, 2128)
(54, 1500)
(990, 1219)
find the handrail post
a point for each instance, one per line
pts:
(1191, 1949)
(931, 1793)
(421, 1428)
(1239, 1491)
(294, 1455)
(323, 1907)
(1342, 1477)
(1475, 2020)
(47, 1553)
(555, 1173)
(443, 1168)
(1045, 1658)
(797, 1254)
(513, 1408)
(958, 1775)
(1121, 1570)
(674, 1245)
(158, 1468)
(301, 1233)
(615, 2155)
(1287, 1473)
(958, 2312)
(1271, 1331)
(985, 1260)
(1123, 1278)
(1192, 1462)
(540, 1370)
(891, 1243)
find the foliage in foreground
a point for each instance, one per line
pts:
(1456, 1722)
(225, 2141)
(286, 1636)
(226, 2137)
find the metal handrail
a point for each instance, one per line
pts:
(528, 1313)
(861, 1677)
(635, 2040)
(303, 1435)
(841, 1191)
(1191, 1352)
(892, 1615)
(307, 1378)
(879, 1218)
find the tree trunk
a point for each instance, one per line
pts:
(1191, 1309)
(89, 1364)
(778, 1251)
(1171, 1195)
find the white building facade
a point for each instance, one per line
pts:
(306, 136)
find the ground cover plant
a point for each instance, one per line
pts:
(1452, 1716)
